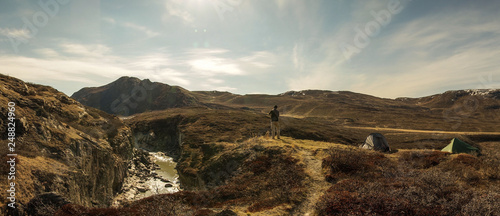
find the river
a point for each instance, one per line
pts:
(164, 179)
(167, 171)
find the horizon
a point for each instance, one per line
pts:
(387, 49)
(263, 92)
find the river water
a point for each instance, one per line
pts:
(137, 186)
(167, 172)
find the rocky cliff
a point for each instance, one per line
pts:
(63, 147)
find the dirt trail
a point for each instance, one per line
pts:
(316, 184)
(311, 154)
(425, 131)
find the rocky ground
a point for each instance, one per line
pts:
(142, 177)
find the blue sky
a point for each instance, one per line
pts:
(390, 48)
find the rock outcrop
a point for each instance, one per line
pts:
(63, 147)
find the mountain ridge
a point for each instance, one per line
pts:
(308, 92)
(462, 110)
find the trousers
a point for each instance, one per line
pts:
(275, 129)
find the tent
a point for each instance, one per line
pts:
(376, 142)
(459, 146)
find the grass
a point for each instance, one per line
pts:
(31, 181)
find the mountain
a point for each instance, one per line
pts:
(473, 98)
(63, 148)
(129, 95)
(465, 110)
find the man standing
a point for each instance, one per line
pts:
(275, 125)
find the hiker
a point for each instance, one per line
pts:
(275, 125)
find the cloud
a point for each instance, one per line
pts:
(70, 62)
(424, 56)
(150, 33)
(47, 53)
(176, 8)
(210, 66)
(451, 31)
(109, 20)
(459, 71)
(435, 53)
(144, 29)
(215, 81)
(297, 59)
(85, 50)
(171, 76)
(260, 59)
(41, 70)
(94, 64)
(152, 61)
(21, 34)
(317, 65)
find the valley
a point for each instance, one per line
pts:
(217, 158)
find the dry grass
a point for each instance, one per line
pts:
(31, 181)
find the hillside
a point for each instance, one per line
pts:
(261, 176)
(466, 110)
(228, 165)
(128, 95)
(65, 150)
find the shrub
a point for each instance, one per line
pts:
(490, 166)
(373, 198)
(422, 159)
(270, 179)
(342, 163)
(483, 203)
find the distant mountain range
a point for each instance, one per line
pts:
(460, 110)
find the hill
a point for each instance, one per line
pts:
(129, 95)
(465, 110)
(66, 152)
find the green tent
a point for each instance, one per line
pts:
(459, 146)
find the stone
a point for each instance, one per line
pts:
(226, 212)
(142, 189)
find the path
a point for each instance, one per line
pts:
(424, 131)
(317, 184)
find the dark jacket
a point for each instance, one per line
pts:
(275, 114)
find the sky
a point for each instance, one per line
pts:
(386, 48)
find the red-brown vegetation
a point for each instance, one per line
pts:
(418, 183)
